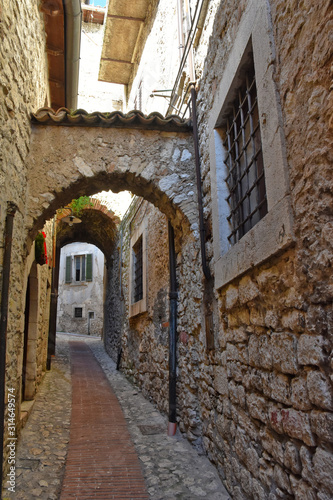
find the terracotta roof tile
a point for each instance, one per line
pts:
(133, 119)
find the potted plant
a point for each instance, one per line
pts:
(40, 249)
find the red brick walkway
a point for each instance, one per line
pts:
(101, 461)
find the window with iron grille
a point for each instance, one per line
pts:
(78, 312)
(244, 161)
(138, 270)
(251, 206)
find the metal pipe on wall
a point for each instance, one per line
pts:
(53, 308)
(11, 210)
(188, 44)
(73, 20)
(180, 29)
(190, 22)
(173, 296)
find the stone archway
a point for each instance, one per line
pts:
(81, 155)
(157, 164)
(98, 227)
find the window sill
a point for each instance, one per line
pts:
(138, 308)
(81, 283)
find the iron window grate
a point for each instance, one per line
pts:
(138, 270)
(244, 161)
(78, 312)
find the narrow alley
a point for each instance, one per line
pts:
(122, 447)
(166, 185)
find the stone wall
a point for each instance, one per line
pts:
(23, 89)
(267, 401)
(44, 292)
(144, 337)
(114, 302)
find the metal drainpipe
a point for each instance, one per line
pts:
(172, 425)
(205, 267)
(190, 52)
(180, 28)
(73, 20)
(11, 209)
(53, 308)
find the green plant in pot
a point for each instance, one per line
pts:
(40, 249)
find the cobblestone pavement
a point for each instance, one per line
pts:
(172, 468)
(42, 447)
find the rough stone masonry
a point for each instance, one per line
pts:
(260, 402)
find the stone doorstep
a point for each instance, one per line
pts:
(26, 407)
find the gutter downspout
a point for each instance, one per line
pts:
(121, 295)
(11, 210)
(173, 295)
(73, 21)
(180, 29)
(190, 52)
(51, 345)
(205, 267)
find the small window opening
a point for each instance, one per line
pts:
(78, 312)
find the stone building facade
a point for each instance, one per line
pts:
(23, 88)
(254, 348)
(140, 340)
(81, 290)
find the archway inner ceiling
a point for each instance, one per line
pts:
(97, 228)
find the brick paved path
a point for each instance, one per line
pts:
(172, 468)
(101, 462)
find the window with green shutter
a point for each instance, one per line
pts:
(89, 267)
(68, 278)
(82, 266)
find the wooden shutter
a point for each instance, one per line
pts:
(89, 267)
(68, 278)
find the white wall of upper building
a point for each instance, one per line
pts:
(158, 65)
(161, 57)
(81, 294)
(94, 95)
(159, 61)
